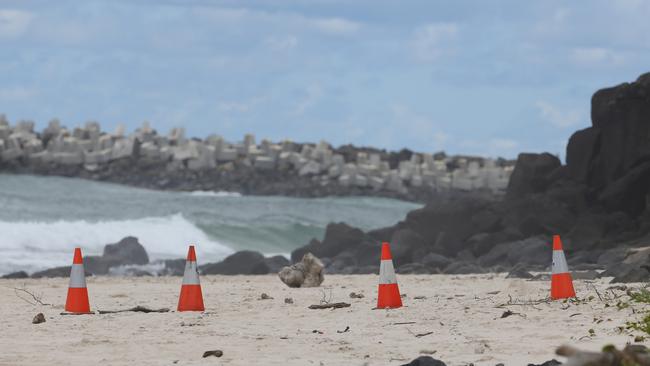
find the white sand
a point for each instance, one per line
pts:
(459, 310)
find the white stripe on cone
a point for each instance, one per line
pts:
(191, 276)
(559, 262)
(77, 276)
(387, 272)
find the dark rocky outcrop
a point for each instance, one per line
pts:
(16, 275)
(596, 202)
(245, 262)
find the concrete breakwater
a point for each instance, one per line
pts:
(146, 158)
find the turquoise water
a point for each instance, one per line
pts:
(43, 218)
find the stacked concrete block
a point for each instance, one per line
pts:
(122, 148)
(206, 158)
(264, 162)
(97, 157)
(227, 154)
(119, 131)
(311, 168)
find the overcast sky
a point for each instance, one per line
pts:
(477, 77)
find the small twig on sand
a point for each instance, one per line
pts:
(347, 329)
(403, 323)
(36, 298)
(137, 309)
(530, 303)
(419, 335)
(335, 305)
(326, 300)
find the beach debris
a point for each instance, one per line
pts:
(288, 300)
(306, 273)
(637, 355)
(77, 299)
(316, 331)
(265, 296)
(425, 361)
(403, 323)
(32, 298)
(191, 297)
(428, 351)
(347, 329)
(354, 295)
(215, 353)
(388, 296)
(38, 319)
(136, 309)
(552, 362)
(334, 305)
(419, 297)
(506, 314)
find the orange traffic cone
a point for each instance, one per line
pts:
(191, 298)
(561, 281)
(77, 300)
(388, 297)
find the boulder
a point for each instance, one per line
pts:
(435, 261)
(519, 271)
(126, 251)
(462, 267)
(240, 263)
(425, 361)
(52, 272)
(531, 173)
(534, 251)
(173, 267)
(413, 268)
(306, 273)
(338, 238)
(580, 153)
(15, 275)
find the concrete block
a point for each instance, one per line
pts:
(11, 154)
(227, 154)
(68, 158)
(97, 157)
(362, 157)
(186, 151)
(249, 140)
(360, 180)
(150, 150)
(311, 168)
(334, 171)
(344, 180)
(5, 131)
(3, 120)
(264, 162)
(375, 160)
(122, 148)
(2, 144)
(32, 146)
(376, 183)
(104, 142)
(25, 126)
(119, 131)
(416, 181)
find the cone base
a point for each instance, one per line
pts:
(389, 297)
(191, 298)
(77, 300)
(562, 286)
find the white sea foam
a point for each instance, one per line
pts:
(214, 194)
(36, 245)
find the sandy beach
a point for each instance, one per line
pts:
(457, 318)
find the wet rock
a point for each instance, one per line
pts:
(338, 238)
(435, 261)
(553, 362)
(519, 271)
(240, 263)
(306, 273)
(52, 272)
(531, 173)
(425, 361)
(173, 267)
(464, 268)
(126, 251)
(585, 275)
(413, 268)
(16, 275)
(38, 319)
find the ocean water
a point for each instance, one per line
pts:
(43, 218)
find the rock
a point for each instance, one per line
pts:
(535, 251)
(306, 273)
(288, 300)
(126, 251)
(16, 275)
(626, 273)
(38, 319)
(413, 268)
(519, 271)
(553, 362)
(425, 361)
(271, 265)
(174, 267)
(531, 173)
(463, 268)
(435, 261)
(265, 296)
(240, 263)
(585, 275)
(53, 272)
(338, 237)
(215, 353)
(580, 153)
